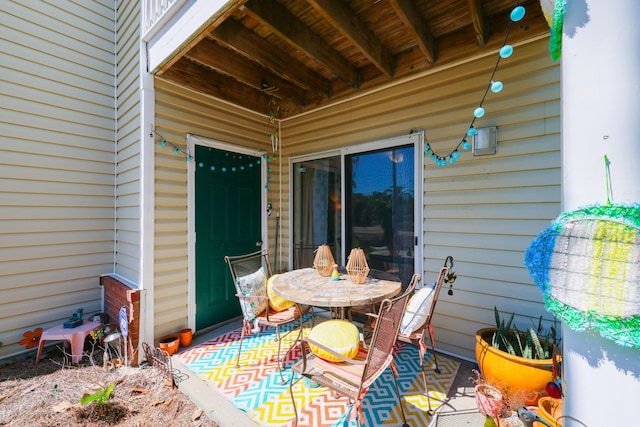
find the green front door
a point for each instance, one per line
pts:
(227, 222)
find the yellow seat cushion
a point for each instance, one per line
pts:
(275, 302)
(339, 335)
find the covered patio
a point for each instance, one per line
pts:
(482, 209)
(146, 140)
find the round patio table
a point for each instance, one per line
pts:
(306, 286)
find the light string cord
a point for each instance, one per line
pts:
(176, 149)
(479, 112)
(495, 68)
(220, 167)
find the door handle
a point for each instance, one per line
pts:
(259, 243)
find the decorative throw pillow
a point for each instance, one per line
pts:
(253, 286)
(417, 309)
(276, 302)
(339, 335)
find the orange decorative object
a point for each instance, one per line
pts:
(31, 339)
(186, 336)
(323, 261)
(357, 267)
(551, 410)
(170, 343)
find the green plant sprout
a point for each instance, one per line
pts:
(101, 397)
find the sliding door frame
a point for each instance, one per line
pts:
(416, 138)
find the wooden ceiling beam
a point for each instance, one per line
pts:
(477, 18)
(345, 20)
(224, 61)
(234, 36)
(408, 12)
(195, 77)
(298, 35)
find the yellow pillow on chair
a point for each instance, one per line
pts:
(276, 302)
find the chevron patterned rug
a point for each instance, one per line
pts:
(256, 389)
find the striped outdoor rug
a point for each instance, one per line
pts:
(256, 389)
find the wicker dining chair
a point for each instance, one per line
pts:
(353, 377)
(257, 267)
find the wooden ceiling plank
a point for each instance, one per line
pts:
(216, 57)
(477, 18)
(298, 35)
(192, 76)
(233, 35)
(408, 12)
(345, 20)
(452, 49)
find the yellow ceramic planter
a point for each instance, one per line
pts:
(517, 376)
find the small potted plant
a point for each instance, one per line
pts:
(518, 363)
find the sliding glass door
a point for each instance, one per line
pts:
(361, 197)
(379, 211)
(317, 210)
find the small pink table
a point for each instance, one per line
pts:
(75, 336)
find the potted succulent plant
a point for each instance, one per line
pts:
(518, 363)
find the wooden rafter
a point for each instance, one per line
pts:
(344, 19)
(298, 35)
(224, 61)
(236, 37)
(408, 12)
(477, 18)
(186, 73)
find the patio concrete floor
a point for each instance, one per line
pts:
(459, 411)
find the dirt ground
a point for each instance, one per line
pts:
(49, 394)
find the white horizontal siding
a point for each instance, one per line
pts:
(56, 168)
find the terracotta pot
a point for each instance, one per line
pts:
(550, 409)
(520, 377)
(170, 343)
(185, 337)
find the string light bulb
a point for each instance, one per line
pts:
(506, 51)
(517, 13)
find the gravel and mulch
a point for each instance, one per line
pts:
(55, 392)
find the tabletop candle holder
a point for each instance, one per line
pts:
(357, 267)
(323, 261)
